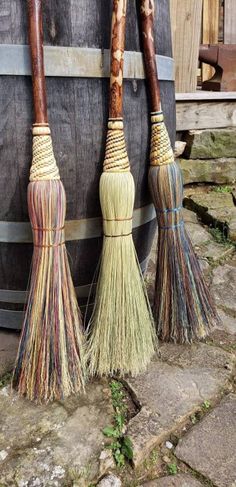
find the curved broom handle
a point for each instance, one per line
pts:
(35, 30)
(147, 19)
(117, 58)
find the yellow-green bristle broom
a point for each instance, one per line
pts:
(121, 336)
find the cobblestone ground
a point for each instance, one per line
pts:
(183, 421)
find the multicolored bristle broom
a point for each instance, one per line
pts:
(183, 308)
(50, 360)
(121, 336)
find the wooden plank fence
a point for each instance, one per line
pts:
(210, 30)
(230, 21)
(186, 18)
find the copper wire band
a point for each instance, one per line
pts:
(38, 229)
(115, 119)
(40, 135)
(48, 246)
(117, 219)
(114, 236)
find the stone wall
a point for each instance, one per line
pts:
(209, 156)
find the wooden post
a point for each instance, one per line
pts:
(186, 16)
(230, 22)
(210, 31)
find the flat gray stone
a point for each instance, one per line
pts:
(210, 447)
(209, 201)
(199, 235)
(210, 143)
(217, 171)
(179, 480)
(216, 209)
(224, 287)
(110, 481)
(227, 218)
(8, 350)
(179, 148)
(22, 422)
(228, 323)
(172, 389)
(54, 444)
(232, 228)
(189, 216)
(205, 245)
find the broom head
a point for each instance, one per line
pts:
(49, 364)
(183, 307)
(121, 336)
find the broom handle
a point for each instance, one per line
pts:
(117, 58)
(147, 35)
(35, 31)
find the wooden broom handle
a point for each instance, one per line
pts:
(147, 35)
(35, 29)
(117, 58)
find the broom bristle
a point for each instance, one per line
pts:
(49, 364)
(183, 307)
(121, 337)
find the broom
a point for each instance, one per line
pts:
(121, 334)
(183, 308)
(49, 363)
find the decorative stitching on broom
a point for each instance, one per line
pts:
(50, 363)
(121, 334)
(183, 308)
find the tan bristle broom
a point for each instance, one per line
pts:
(183, 308)
(50, 360)
(121, 337)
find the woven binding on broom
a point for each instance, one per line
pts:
(116, 157)
(48, 237)
(44, 165)
(161, 150)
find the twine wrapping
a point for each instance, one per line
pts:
(116, 157)
(161, 150)
(48, 237)
(44, 165)
(121, 227)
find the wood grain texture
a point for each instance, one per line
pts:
(186, 18)
(203, 114)
(210, 31)
(78, 112)
(117, 58)
(206, 95)
(147, 35)
(35, 29)
(229, 21)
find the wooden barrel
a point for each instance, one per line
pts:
(77, 68)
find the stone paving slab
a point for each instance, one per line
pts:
(8, 349)
(215, 209)
(224, 287)
(211, 200)
(180, 480)
(172, 389)
(205, 245)
(47, 446)
(223, 290)
(228, 324)
(210, 447)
